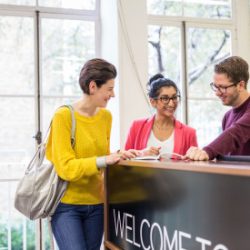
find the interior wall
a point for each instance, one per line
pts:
(109, 51)
(242, 25)
(132, 35)
(124, 43)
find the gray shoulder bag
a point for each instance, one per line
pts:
(41, 189)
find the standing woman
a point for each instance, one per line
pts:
(161, 133)
(77, 223)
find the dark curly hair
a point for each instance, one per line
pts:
(158, 81)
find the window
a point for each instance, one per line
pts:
(164, 47)
(19, 2)
(216, 9)
(206, 47)
(72, 4)
(17, 124)
(17, 89)
(193, 45)
(40, 66)
(63, 54)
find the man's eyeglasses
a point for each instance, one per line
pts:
(166, 99)
(220, 88)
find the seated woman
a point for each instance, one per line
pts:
(162, 133)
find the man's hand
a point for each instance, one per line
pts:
(196, 154)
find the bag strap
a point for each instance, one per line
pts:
(72, 138)
(73, 126)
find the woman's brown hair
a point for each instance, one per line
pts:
(97, 70)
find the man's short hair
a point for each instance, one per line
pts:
(236, 69)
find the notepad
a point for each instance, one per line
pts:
(166, 155)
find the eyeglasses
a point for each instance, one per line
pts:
(166, 99)
(221, 89)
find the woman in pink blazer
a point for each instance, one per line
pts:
(161, 133)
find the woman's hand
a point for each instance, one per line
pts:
(151, 151)
(122, 155)
(113, 158)
(129, 154)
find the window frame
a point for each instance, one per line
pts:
(187, 22)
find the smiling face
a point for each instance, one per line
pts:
(101, 95)
(230, 96)
(166, 102)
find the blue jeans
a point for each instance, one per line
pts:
(78, 227)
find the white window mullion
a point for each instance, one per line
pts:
(24, 234)
(9, 216)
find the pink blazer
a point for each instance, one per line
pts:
(184, 136)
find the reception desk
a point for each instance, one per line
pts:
(177, 205)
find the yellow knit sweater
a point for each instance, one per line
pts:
(78, 166)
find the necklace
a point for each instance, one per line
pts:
(161, 128)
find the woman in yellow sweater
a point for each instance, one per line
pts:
(77, 223)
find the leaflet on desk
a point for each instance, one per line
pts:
(157, 157)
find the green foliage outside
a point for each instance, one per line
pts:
(17, 235)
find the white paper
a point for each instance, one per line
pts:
(148, 157)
